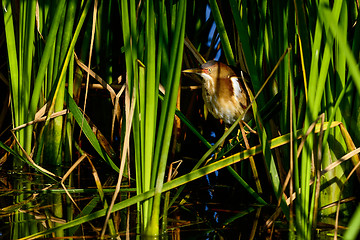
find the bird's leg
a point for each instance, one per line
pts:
(252, 162)
(246, 132)
(250, 129)
(220, 146)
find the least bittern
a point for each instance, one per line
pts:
(226, 98)
(223, 91)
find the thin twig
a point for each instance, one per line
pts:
(103, 83)
(30, 159)
(129, 117)
(89, 63)
(41, 119)
(67, 174)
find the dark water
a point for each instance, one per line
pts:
(213, 207)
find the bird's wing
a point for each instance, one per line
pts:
(239, 92)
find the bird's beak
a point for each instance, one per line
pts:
(196, 71)
(193, 70)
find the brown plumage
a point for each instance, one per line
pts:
(223, 91)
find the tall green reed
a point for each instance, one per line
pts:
(153, 45)
(38, 44)
(320, 77)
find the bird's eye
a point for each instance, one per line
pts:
(209, 69)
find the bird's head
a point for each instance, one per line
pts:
(212, 71)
